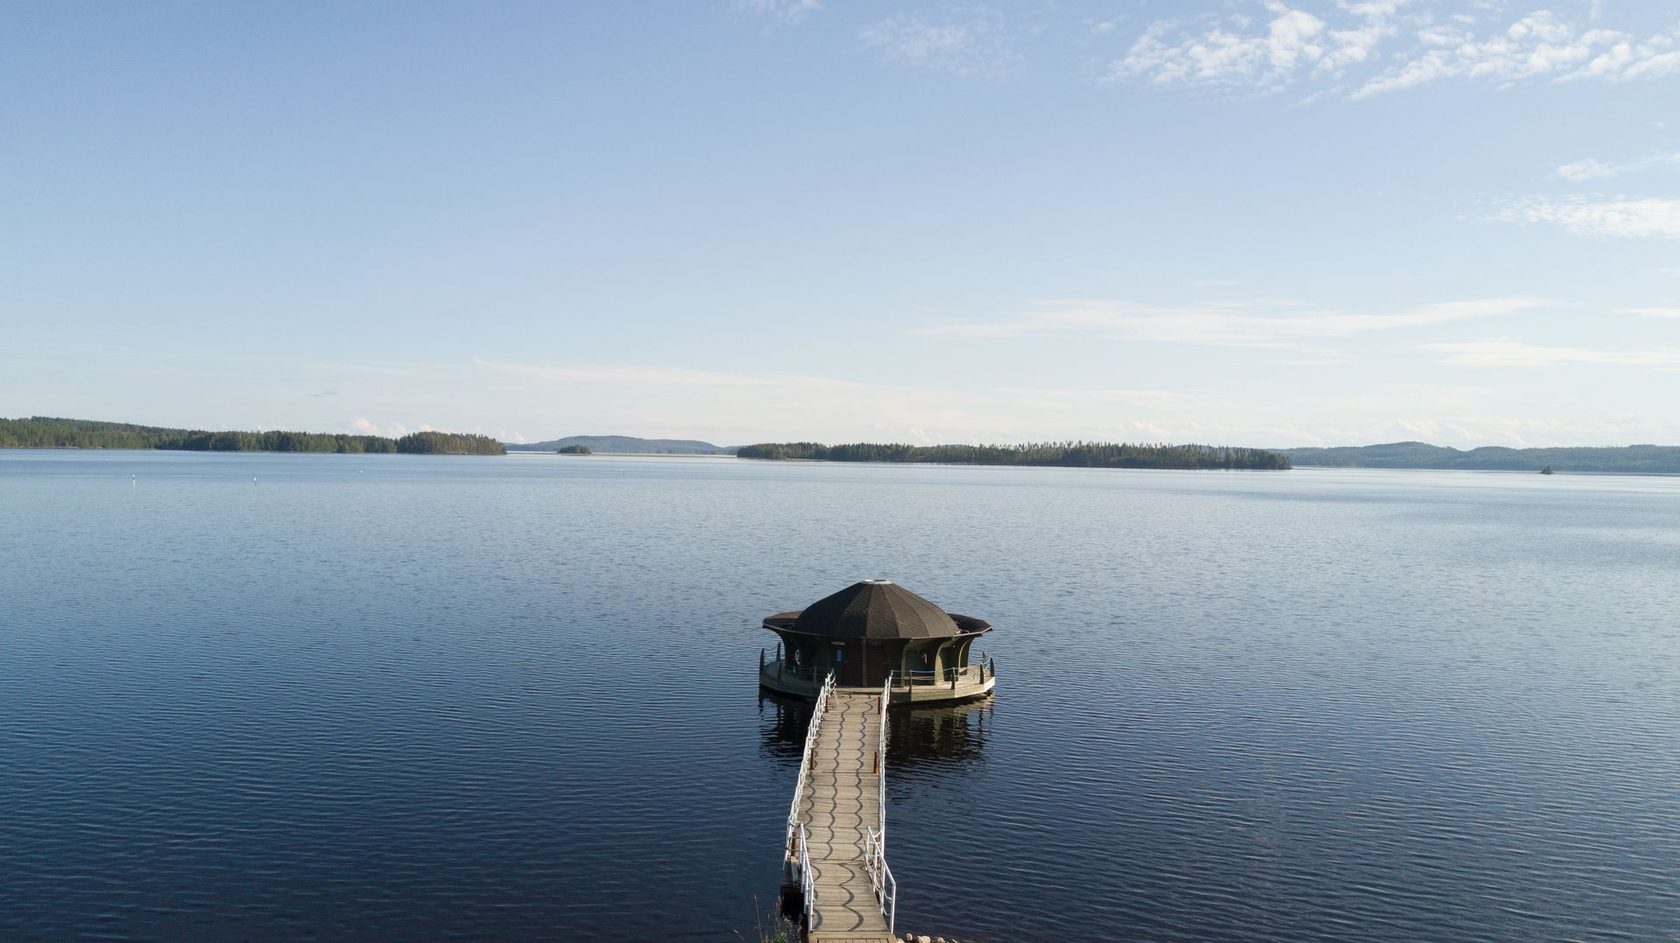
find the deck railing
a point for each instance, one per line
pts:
(875, 839)
(965, 674)
(798, 859)
(785, 670)
(881, 876)
(807, 881)
(881, 755)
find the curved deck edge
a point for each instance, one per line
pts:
(773, 679)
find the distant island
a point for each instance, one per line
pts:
(574, 450)
(1625, 460)
(623, 445)
(45, 432)
(1061, 454)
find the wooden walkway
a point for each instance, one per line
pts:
(841, 801)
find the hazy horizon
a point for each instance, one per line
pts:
(683, 437)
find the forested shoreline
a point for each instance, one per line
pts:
(1057, 454)
(44, 432)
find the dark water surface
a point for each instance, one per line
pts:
(411, 698)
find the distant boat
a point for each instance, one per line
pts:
(1547, 471)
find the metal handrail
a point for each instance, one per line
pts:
(881, 758)
(802, 672)
(980, 670)
(875, 839)
(780, 668)
(804, 766)
(881, 880)
(807, 883)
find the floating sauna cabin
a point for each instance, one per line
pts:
(872, 631)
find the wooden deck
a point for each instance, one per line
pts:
(956, 684)
(841, 800)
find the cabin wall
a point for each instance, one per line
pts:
(865, 663)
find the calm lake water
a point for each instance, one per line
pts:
(412, 698)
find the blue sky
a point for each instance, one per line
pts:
(1263, 223)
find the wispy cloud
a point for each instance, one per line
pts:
(644, 398)
(1222, 325)
(1590, 169)
(1673, 313)
(1599, 215)
(787, 11)
(1064, 398)
(646, 376)
(973, 43)
(1510, 352)
(1271, 45)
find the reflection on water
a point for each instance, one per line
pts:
(940, 735)
(926, 734)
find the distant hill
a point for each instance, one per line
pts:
(624, 445)
(1626, 460)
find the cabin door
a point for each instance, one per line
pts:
(848, 662)
(874, 664)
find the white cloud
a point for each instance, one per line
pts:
(1539, 45)
(395, 430)
(1286, 45)
(1222, 325)
(1588, 169)
(1232, 52)
(788, 11)
(973, 45)
(1591, 169)
(1509, 352)
(1600, 215)
(1655, 312)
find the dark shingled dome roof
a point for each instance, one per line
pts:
(878, 609)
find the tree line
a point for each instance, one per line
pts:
(1068, 454)
(44, 432)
